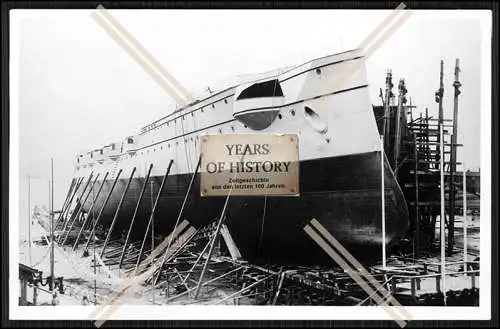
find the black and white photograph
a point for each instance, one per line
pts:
(239, 164)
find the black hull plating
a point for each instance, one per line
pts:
(342, 193)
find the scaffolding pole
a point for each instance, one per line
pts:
(417, 210)
(387, 106)
(102, 209)
(94, 199)
(442, 221)
(152, 216)
(52, 227)
(117, 212)
(77, 200)
(212, 245)
(173, 236)
(134, 215)
(70, 191)
(382, 193)
(453, 161)
(399, 113)
(68, 206)
(465, 223)
(79, 210)
(439, 100)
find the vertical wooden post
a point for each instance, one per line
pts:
(117, 211)
(35, 294)
(465, 222)
(413, 290)
(94, 199)
(417, 213)
(29, 219)
(382, 193)
(387, 106)
(152, 236)
(134, 215)
(439, 100)
(453, 161)
(52, 226)
(24, 294)
(102, 208)
(399, 113)
(442, 220)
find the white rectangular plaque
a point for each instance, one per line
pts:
(250, 164)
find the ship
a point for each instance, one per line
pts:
(326, 101)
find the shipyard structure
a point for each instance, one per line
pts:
(379, 178)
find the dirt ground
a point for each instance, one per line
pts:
(82, 287)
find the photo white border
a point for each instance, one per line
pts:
(210, 312)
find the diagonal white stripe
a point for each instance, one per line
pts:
(354, 275)
(354, 261)
(142, 56)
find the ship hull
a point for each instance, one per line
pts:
(343, 193)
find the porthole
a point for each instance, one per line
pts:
(182, 117)
(292, 112)
(225, 100)
(315, 120)
(191, 139)
(213, 106)
(246, 126)
(202, 110)
(280, 116)
(177, 143)
(192, 114)
(232, 128)
(318, 70)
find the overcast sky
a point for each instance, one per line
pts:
(79, 90)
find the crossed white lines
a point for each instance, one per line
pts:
(318, 233)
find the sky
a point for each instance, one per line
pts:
(78, 90)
